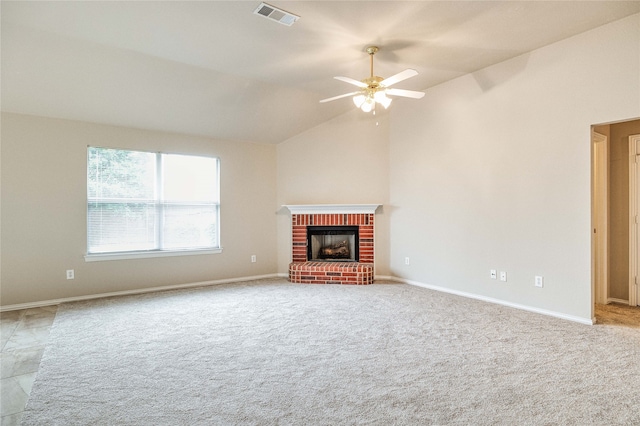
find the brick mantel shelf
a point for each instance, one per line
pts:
(304, 271)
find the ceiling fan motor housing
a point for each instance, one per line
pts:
(373, 82)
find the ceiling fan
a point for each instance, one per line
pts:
(375, 89)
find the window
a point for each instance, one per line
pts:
(146, 202)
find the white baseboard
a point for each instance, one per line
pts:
(587, 321)
(131, 292)
(386, 278)
(284, 275)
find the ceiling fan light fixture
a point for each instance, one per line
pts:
(358, 100)
(381, 98)
(368, 105)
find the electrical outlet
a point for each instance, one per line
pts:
(70, 274)
(494, 274)
(254, 259)
(503, 276)
(539, 281)
(406, 261)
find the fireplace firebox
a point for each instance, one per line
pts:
(333, 244)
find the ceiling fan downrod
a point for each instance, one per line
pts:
(372, 50)
(373, 81)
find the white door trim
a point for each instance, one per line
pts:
(634, 151)
(599, 217)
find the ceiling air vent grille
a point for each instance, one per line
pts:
(271, 12)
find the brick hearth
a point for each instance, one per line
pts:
(302, 271)
(331, 273)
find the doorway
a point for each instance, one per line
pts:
(615, 233)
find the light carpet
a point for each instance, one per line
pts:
(270, 352)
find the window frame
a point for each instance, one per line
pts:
(160, 205)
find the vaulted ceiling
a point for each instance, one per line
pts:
(214, 68)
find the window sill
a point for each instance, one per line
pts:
(98, 257)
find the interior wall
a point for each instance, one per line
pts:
(619, 207)
(492, 171)
(343, 161)
(44, 211)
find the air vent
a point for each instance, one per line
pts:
(273, 13)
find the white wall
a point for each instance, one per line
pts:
(492, 171)
(44, 211)
(344, 161)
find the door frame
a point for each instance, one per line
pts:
(634, 144)
(600, 203)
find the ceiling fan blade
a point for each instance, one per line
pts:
(405, 93)
(351, 81)
(339, 97)
(398, 77)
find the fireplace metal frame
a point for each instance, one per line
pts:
(338, 229)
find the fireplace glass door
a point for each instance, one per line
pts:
(332, 243)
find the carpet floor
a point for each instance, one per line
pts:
(273, 353)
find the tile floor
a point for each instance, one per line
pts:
(23, 337)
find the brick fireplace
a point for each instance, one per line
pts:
(306, 270)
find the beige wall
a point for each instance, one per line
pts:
(492, 171)
(488, 171)
(44, 211)
(619, 207)
(344, 161)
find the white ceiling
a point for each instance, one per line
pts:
(214, 68)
